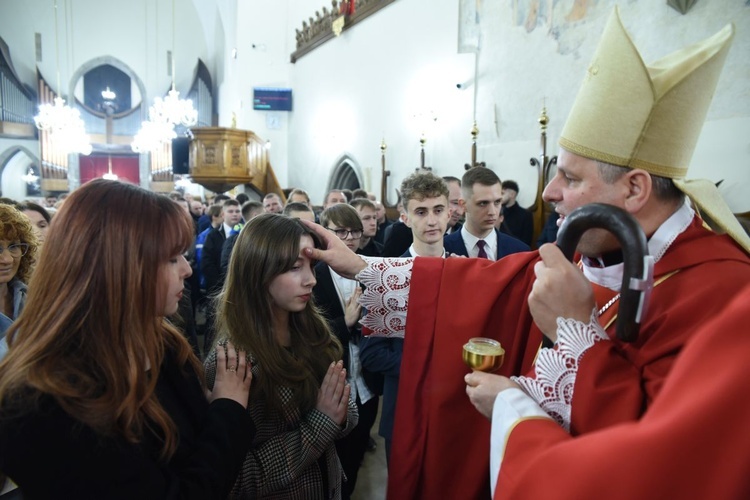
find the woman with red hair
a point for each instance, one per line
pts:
(100, 397)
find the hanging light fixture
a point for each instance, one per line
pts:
(64, 124)
(165, 114)
(152, 135)
(30, 177)
(109, 175)
(183, 182)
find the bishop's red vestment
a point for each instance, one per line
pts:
(441, 443)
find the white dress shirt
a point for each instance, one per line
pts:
(470, 241)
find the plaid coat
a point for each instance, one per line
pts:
(290, 452)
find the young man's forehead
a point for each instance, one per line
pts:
(415, 203)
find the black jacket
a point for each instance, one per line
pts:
(51, 455)
(211, 259)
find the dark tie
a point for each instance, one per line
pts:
(482, 254)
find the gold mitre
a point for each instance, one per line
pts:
(643, 116)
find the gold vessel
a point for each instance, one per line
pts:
(483, 354)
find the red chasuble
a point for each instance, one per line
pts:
(441, 443)
(691, 442)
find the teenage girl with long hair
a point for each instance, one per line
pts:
(299, 400)
(100, 397)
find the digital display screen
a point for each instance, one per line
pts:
(272, 99)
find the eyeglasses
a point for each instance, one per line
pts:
(16, 250)
(343, 233)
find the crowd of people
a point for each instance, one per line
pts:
(310, 315)
(211, 251)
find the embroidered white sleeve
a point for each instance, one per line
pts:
(556, 369)
(386, 295)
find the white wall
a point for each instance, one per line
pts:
(372, 81)
(387, 78)
(262, 61)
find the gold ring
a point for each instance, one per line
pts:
(232, 369)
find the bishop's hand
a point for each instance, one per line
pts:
(335, 252)
(560, 291)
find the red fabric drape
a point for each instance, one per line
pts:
(95, 166)
(440, 442)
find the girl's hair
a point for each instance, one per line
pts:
(16, 227)
(90, 335)
(268, 246)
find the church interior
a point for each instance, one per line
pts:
(461, 82)
(321, 95)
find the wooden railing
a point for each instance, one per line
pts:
(319, 29)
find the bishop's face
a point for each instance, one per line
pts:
(578, 182)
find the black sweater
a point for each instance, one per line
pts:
(51, 455)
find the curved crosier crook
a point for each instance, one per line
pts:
(638, 273)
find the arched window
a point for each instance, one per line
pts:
(345, 175)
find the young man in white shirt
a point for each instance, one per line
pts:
(481, 192)
(426, 212)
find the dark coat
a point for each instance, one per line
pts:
(327, 299)
(506, 245)
(211, 260)
(518, 223)
(51, 455)
(398, 239)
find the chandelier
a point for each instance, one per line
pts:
(173, 110)
(164, 115)
(152, 135)
(64, 124)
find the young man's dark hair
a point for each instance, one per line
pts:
(478, 175)
(359, 193)
(510, 185)
(450, 178)
(296, 206)
(362, 202)
(250, 207)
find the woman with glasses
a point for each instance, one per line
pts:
(18, 246)
(337, 297)
(100, 396)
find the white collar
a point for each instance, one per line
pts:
(470, 242)
(611, 277)
(344, 287)
(415, 254)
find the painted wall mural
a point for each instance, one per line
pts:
(560, 18)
